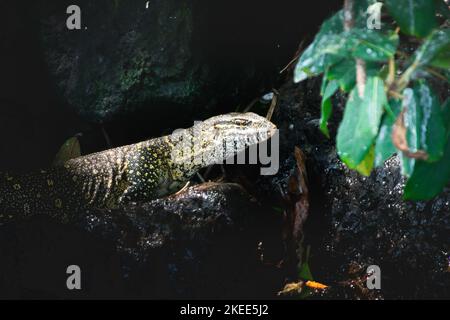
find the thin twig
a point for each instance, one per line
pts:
(435, 73)
(183, 189)
(391, 76)
(273, 104)
(395, 94)
(296, 57)
(224, 173)
(200, 177)
(406, 76)
(361, 76)
(251, 104)
(207, 172)
(348, 15)
(349, 21)
(106, 136)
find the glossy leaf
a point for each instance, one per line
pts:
(446, 114)
(318, 55)
(412, 118)
(330, 49)
(305, 272)
(326, 106)
(442, 8)
(429, 179)
(442, 59)
(446, 74)
(414, 17)
(361, 121)
(345, 73)
(366, 166)
(434, 45)
(331, 43)
(372, 45)
(425, 127)
(384, 148)
(432, 128)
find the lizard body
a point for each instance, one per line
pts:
(137, 172)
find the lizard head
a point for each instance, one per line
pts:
(219, 138)
(242, 129)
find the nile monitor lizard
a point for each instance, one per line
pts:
(137, 172)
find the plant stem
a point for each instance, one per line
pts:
(349, 21)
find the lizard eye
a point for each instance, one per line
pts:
(241, 122)
(226, 124)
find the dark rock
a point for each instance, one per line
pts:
(175, 55)
(124, 56)
(202, 242)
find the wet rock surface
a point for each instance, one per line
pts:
(202, 242)
(355, 222)
(123, 56)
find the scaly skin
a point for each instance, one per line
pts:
(137, 172)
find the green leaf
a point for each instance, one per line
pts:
(278, 209)
(318, 55)
(429, 179)
(384, 148)
(446, 114)
(345, 73)
(323, 86)
(69, 150)
(331, 44)
(305, 272)
(425, 127)
(326, 106)
(433, 46)
(333, 25)
(414, 17)
(329, 49)
(412, 119)
(372, 45)
(366, 166)
(432, 129)
(446, 74)
(442, 59)
(359, 127)
(442, 8)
